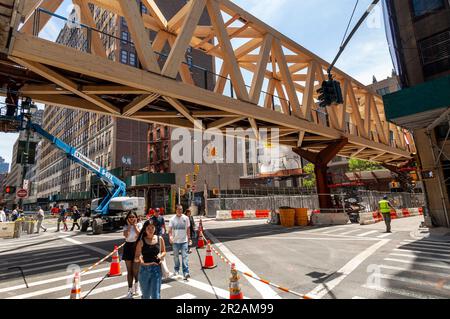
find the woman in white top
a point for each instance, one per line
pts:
(131, 232)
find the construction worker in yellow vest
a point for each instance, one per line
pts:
(385, 209)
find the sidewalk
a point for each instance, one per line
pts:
(435, 234)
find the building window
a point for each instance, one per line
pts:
(124, 22)
(143, 9)
(124, 37)
(132, 59)
(384, 91)
(124, 57)
(435, 53)
(422, 7)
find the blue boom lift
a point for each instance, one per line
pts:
(110, 210)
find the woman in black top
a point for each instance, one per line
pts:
(150, 250)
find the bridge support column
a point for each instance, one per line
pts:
(320, 161)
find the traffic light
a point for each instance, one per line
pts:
(330, 93)
(10, 190)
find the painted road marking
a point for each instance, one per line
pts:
(427, 245)
(13, 250)
(185, 296)
(368, 233)
(417, 263)
(324, 288)
(356, 297)
(413, 281)
(422, 248)
(422, 272)
(209, 289)
(48, 281)
(53, 252)
(402, 292)
(384, 235)
(305, 238)
(421, 257)
(265, 290)
(428, 242)
(59, 288)
(96, 249)
(420, 252)
(351, 231)
(50, 266)
(163, 286)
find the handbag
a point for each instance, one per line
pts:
(164, 269)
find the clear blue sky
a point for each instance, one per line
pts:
(318, 25)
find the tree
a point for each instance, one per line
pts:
(357, 165)
(310, 181)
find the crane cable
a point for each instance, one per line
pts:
(351, 19)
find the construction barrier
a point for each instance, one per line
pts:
(242, 214)
(376, 217)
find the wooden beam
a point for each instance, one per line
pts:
(140, 35)
(184, 111)
(254, 127)
(178, 52)
(49, 5)
(65, 83)
(227, 49)
(87, 19)
(356, 114)
(308, 95)
(286, 76)
(258, 78)
(185, 72)
(301, 136)
(177, 20)
(156, 13)
(139, 103)
(224, 122)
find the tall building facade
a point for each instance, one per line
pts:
(4, 167)
(418, 32)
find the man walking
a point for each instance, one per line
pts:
(179, 237)
(40, 218)
(159, 222)
(15, 214)
(76, 215)
(61, 218)
(385, 209)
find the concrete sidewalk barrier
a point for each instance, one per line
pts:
(242, 214)
(321, 219)
(376, 217)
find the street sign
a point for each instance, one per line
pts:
(22, 193)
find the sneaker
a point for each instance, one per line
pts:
(187, 276)
(130, 293)
(136, 289)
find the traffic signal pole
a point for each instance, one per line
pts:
(350, 36)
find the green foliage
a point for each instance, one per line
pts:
(356, 165)
(311, 180)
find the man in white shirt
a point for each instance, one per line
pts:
(179, 237)
(40, 218)
(2, 215)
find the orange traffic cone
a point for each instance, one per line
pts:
(235, 288)
(76, 289)
(200, 226)
(201, 240)
(114, 269)
(209, 260)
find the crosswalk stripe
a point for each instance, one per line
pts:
(51, 266)
(367, 233)
(429, 242)
(185, 296)
(402, 292)
(416, 271)
(351, 231)
(420, 257)
(163, 287)
(384, 235)
(357, 297)
(417, 263)
(333, 230)
(47, 261)
(27, 249)
(210, 289)
(418, 247)
(48, 281)
(420, 252)
(59, 288)
(412, 281)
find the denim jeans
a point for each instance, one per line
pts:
(184, 257)
(150, 280)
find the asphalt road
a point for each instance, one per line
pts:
(341, 262)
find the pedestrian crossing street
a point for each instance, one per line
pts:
(413, 269)
(350, 230)
(45, 261)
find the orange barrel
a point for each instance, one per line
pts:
(301, 217)
(287, 216)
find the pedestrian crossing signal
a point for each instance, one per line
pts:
(10, 190)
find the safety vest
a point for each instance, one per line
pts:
(384, 206)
